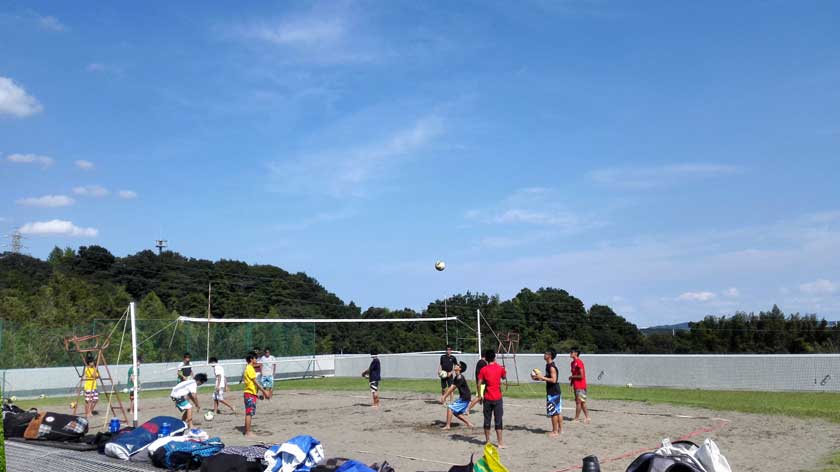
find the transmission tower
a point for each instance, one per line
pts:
(15, 244)
(160, 244)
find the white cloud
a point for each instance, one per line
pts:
(15, 101)
(299, 31)
(83, 164)
(819, 287)
(324, 35)
(43, 161)
(91, 191)
(347, 173)
(533, 206)
(57, 227)
(650, 177)
(51, 23)
(732, 292)
(127, 194)
(696, 296)
(47, 201)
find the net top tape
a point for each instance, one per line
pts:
(312, 320)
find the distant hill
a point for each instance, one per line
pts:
(666, 328)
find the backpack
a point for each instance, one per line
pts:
(16, 420)
(681, 456)
(185, 455)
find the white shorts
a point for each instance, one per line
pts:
(219, 395)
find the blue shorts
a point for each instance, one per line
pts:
(553, 405)
(267, 381)
(459, 407)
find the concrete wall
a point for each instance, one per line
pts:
(816, 373)
(52, 381)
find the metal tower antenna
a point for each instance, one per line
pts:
(15, 242)
(160, 244)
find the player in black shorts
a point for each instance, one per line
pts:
(447, 364)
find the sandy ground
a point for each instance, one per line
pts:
(408, 425)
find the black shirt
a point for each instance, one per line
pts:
(463, 388)
(552, 388)
(374, 370)
(447, 363)
(478, 366)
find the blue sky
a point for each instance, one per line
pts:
(670, 159)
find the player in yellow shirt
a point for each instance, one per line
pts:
(251, 387)
(91, 394)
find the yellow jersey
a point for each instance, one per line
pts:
(250, 379)
(91, 374)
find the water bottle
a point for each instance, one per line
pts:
(114, 426)
(164, 430)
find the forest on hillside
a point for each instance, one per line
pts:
(84, 291)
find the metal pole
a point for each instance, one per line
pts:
(134, 363)
(209, 292)
(478, 330)
(446, 323)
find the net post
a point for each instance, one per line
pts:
(478, 330)
(134, 363)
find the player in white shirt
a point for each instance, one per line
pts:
(221, 387)
(186, 392)
(267, 370)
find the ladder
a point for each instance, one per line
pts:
(90, 346)
(508, 346)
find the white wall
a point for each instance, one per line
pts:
(794, 372)
(63, 380)
(800, 372)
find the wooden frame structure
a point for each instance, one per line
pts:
(87, 346)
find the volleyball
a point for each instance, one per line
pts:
(440, 265)
(629, 385)
(42, 396)
(536, 373)
(208, 416)
(13, 399)
(443, 374)
(72, 404)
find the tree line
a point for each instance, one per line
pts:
(83, 291)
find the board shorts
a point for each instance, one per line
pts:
(459, 407)
(580, 394)
(182, 403)
(374, 386)
(250, 404)
(493, 409)
(219, 395)
(553, 405)
(91, 395)
(446, 382)
(267, 381)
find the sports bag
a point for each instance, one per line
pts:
(231, 463)
(681, 456)
(51, 426)
(185, 455)
(128, 444)
(16, 420)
